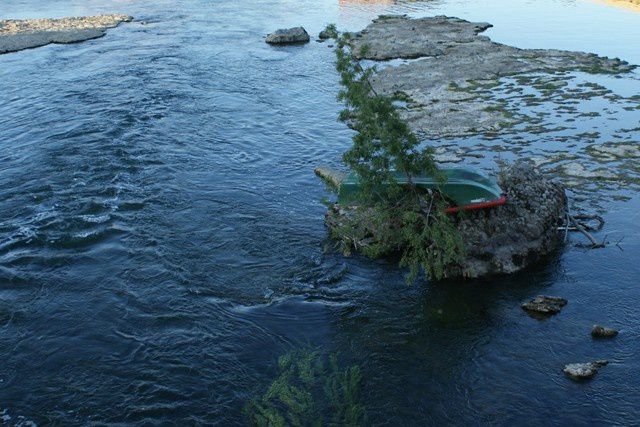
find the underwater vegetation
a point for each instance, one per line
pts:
(311, 389)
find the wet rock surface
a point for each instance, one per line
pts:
(599, 331)
(451, 53)
(392, 37)
(16, 35)
(325, 35)
(523, 231)
(288, 36)
(544, 305)
(501, 240)
(583, 371)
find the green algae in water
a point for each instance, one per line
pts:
(311, 389)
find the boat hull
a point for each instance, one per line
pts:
(467, 189)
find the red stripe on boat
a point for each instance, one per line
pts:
(475, 206)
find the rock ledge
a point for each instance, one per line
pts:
(16, 35)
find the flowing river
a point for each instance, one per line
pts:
(162, 243)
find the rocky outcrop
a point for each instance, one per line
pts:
(511, 237)
(501, 240)
(603, 332)
(583, 371)
(448, 54)
(16, 35)
(394, 36)
(288, 36)
(545, 305)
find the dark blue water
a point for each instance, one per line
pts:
(161, 236)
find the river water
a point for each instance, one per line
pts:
(161, 236)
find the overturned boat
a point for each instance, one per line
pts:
(465, 188)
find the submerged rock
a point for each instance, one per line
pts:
(577, 170)
(288, 36)
(602, 332)
(543, 304)
(16, 35)
(582, 371)
(501, 240)
(615, 151)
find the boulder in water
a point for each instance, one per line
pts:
(543, 304)
(583, 371)
(325, 35)
(603, 332)
(288, 36)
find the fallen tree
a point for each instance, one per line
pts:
(423, 235)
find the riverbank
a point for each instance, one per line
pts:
(16, 35)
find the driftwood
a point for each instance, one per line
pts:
(587, 226)
(331, 177)
(579, 227)
(578, 223)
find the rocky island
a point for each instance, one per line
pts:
(435, 69)
(16, 35)
(501, 240)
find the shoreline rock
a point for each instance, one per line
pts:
(17, 35)
(294, 35)
(501, 240)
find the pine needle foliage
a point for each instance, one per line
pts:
(383, 146)
(310, 390)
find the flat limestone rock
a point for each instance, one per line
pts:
(288, 36)
(546, 305)
(583, 371)
(16, 35)
(447, 54)
(393, 37)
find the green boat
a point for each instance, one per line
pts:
(467, 189)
